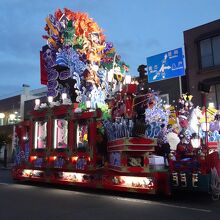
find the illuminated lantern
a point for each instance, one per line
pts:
(127, 79)
(64, 96)
(50, 99)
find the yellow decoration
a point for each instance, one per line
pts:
(51, 26)
(85, 137)
(172, 116)
(187, 97)
(210, 114)
(52, 42)
(112, 50)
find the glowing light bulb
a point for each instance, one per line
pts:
(50, 99)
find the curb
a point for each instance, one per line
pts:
(5, 168)
(9, 167)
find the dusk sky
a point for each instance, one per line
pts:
(138, 29)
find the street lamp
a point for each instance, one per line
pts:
(127, 79)
(64, 96)
(50, 99)
(12, 117)
(37, 104)
(196, 142)
(2, 116)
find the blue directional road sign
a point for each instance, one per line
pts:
(165, 65)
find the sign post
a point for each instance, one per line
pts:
(180, 86)
(165, 66)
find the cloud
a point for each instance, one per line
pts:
(137, 43)
(14, 74)
(22, 23)
(9, 90)
(135, 51)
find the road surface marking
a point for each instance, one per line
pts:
(163, 204)
(142, 201)
(124, 199)
(4, 184)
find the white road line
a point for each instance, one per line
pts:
(6, 184)
(163, 204)
(132, 200)
(144, 202)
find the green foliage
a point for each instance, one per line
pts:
(82, 105)
(105, 111)
(79, 43)
(68, 34)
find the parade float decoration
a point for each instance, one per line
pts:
(196, 157)
(102, 129)
(77, 59)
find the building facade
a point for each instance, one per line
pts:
(14, 109)
(202, 52)
(169, 90)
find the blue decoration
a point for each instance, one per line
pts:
(49, 56)
(153, 130)
(38, 162)
(156, 114)
(52, 92)
(26, 151)
(53, 84)
(68, 57)
(81, 163)
(59, 162)
(108, 47)
(62, 59)
(17, 155)
(115, 159)
(52, 74)
(64, 75)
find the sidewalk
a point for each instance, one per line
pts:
(9, 166)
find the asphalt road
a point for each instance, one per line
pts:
(51, 202)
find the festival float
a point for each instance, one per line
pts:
(102, 129)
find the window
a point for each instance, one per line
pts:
(213, 97)
(60, 133)
(216, 50)
(82, 136)
(40, 135)
(217, 96)
(210, 52)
